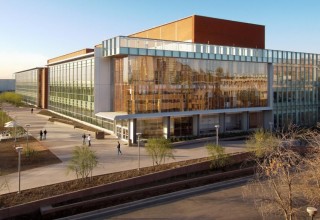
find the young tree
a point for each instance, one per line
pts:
(83, 161)
(159, 149)
(217, 155)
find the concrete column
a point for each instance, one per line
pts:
(196, 125)
(132, 129)
(270, 88)
(103, 83)
(267, 118)
(166, 127)
(245, 121)
(222, 120)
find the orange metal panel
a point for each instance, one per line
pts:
(228, 33)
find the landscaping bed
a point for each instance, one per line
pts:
(133, 184)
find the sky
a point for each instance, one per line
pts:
(33, 31)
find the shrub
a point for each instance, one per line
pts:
(83, 161)
(217, 155)
(159, 149)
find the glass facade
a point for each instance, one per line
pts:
(295, 83)
(295, 88)
(71, 89)
(27, 84)
(146, 84)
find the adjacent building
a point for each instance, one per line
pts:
(180, 79)
(7, 85)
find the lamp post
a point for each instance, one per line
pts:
(139, 134)
(12, 124)
(217, 134)
(27, 126)
(312, 211)
(15, 131)
(271, 126)
(19, 149)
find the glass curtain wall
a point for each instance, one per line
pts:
(296, 89)
(27, 84)
(145, 84)
(71, 89)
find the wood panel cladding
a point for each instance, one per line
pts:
(206, 30)
(180, 30)
(70, 55)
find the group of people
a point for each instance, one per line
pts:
(84, 137)
(43, 134)
(88, 138)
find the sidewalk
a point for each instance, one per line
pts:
(62, 138)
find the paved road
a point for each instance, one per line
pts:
(221, 201)
(62, 138)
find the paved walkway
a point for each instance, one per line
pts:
(62, 138)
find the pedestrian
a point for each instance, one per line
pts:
(89, 140)
(84, 139)
(41, 133)
(119, 150)
(45, 134)
(31, 110)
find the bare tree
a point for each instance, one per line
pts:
(311, 175)
(276, 187)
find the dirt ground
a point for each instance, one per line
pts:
(36, 156)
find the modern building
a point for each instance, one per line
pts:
(7, 85)
(32, 85)
(182, 79)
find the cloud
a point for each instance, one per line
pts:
(11, 62)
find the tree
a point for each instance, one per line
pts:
(276, 187)
(262, 143)
(83, 161)
(217, 155)
(159, 149)
(311, 175)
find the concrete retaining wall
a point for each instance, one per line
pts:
(36, 205)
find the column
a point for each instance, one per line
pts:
(166, 127)
(245, 121)
(195, 125)
(132, 129)
(222, 127)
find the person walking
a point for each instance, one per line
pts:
(31, 110)
(84, 139)
(45, 134)
(119, 150)
(89, 140)
(41, 133)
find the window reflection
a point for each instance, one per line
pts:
(157, 84)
